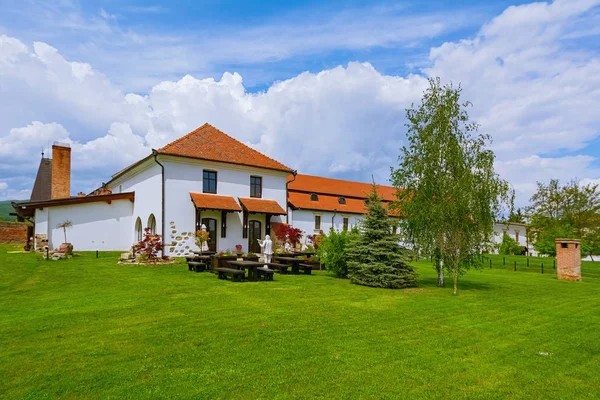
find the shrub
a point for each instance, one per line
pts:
(333, 251)
(149, 247)
(285, 232)
(509, 246)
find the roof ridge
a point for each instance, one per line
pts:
(243, 144)
(185, 136)
(201, 133)
(346, 180)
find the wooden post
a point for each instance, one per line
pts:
(542, 268)
(504, 260)
(490, 263)
(515, 265)
(96, 253)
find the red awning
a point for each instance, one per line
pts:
(261, 206)
(213, 202)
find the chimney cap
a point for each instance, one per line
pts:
(61, 144)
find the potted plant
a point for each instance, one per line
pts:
(223, 257)
(238, 249)
(250, 256)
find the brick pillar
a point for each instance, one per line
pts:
(568, 259)
(61, 171)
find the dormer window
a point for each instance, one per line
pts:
(314, 197)
(342, 200)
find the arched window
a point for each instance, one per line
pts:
(152, 224)
(138, 230)
(314, 197)
(342, 200)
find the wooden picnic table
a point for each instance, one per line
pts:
(293, 261)
(251, 266)
(204, 253)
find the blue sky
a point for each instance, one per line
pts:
(320, 86)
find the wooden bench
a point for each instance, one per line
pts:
(281, 268)
(236, 274)
(265, 273)
(306, 268)
(196, 266)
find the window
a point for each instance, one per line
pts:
(138, 229)
(564, 245)
(517, 236)
(256, 186)
(152, 224)
(209, 182)
(314, 197)
(342, 200)
(345, 223)
(317, 222)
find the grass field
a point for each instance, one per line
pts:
(89, 328)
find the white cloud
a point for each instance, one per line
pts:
(531, 91)
(3, 185)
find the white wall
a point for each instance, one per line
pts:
(305, 221)
(96, 226)
(515, 231)
(185, 175)
(145, 181)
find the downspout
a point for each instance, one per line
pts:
(332, 218)
(162, 167)
(287, 214)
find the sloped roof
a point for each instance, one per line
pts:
(209, 143)
(42, 188)
(214, 202)
(300, 200)
(262, 206)
(338, 187)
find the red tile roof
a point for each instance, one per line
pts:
(214, 202)
(262, 206)
(338, 187)
(299, 200)
(209, 143)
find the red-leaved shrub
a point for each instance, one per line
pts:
(149, 247)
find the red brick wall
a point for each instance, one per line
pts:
(568, 259)
(61, 172)
(13, 233)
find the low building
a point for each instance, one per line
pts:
(316, 204)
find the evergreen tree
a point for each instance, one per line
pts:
(374, 256)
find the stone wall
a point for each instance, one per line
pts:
(13, 233)
(568, 259)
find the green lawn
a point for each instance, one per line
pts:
(89, 328)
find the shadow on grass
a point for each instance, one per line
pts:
(462, 284)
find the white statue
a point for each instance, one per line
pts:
(287, 246)
(205, 244)
(266, 247)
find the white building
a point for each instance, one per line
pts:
(315, 204)
(514, 230)
(205, 177)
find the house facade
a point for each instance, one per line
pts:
(205, 178)
(317, 204)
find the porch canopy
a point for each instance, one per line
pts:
(260, 206)
(225, 204)
(214, 202)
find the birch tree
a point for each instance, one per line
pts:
(449, 194)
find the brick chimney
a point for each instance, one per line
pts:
(568, 259)
(61, 171)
